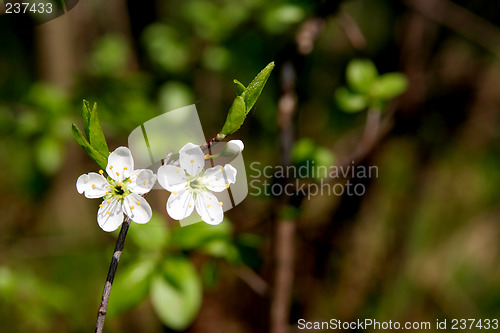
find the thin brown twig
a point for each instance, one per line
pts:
(460, 20)
(103, 308)
(351, 30)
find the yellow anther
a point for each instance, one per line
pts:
(190, 206)
(110, 167)
(130, 180)
(206, 157)
(192, 161)
(93, 185)
(144, 182)
(108, 201)
(137, 175)
(125, 168)
(227, 185)
(101, 205)
(221, 169)
(117, 173)
(174, 192)
(108, 212)
(120, 196)
(177, 170)
(138, 203)
(220, 203)
(126, 194)
(120, 184)
(132, 207)
(101, 172)
(208, 206)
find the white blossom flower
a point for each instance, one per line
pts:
(192, 186)
(122, 190)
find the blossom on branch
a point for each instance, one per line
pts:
(192, 186)
(122, 190)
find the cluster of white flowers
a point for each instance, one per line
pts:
(191, 187)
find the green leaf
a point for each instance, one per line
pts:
(389, 85)
(235, 117)
(86, 117)
(361, 74)
(350, 102)
(151, 236)
(101, 160)
(241, 87)
(176, 293)
(131, 285)
(245, 100)
(198, 235)
(93, 129)
(255, 87)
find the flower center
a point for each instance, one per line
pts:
(119, 190)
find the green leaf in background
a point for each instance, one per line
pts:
(255, 87)
(235, 117)
(101, 160)
(317, 159)
(350, 102)
(245, 100)
(198, 235)
(176, 293)
(389, 85)
(93, 129)
(241, 87)
(361, 74)
(151, 236)
(131, 286)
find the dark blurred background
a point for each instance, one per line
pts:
(422, 243)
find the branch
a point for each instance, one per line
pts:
(101, 315)
(460, 20)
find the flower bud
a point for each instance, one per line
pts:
(233, 148)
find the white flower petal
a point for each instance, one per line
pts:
(172, 178)
(93, 184)
(209, 208)
(141, 181)
(191, 159)
(110, 215)
(180, 205)
(217, 179)
(120, 164)
(137, 208)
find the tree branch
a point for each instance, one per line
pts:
(103, 308)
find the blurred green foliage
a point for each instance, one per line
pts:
(422, 244)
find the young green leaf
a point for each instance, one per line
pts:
(361, 74)
(101, 160)
(93, 129)
(86, 117)
(389, 85)
(235, 117)
(350, 102)
(255, 87)
(176, 293)
(241, 87)
(243, 103)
